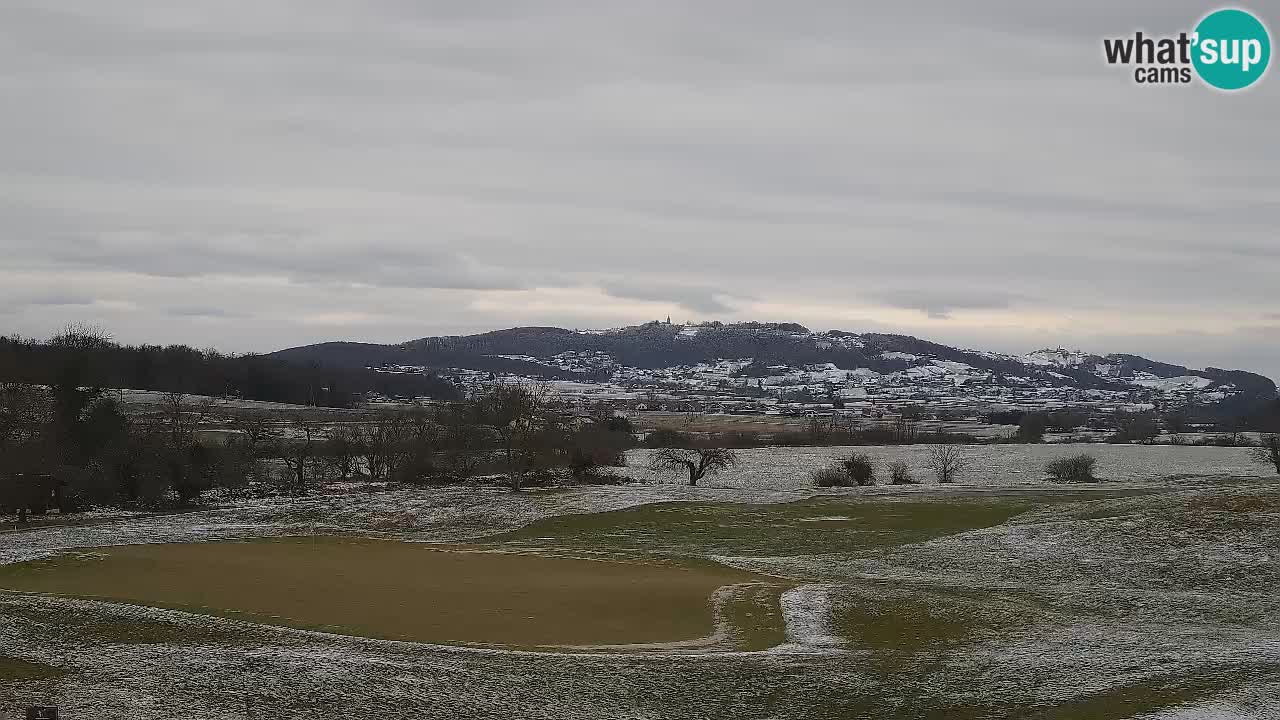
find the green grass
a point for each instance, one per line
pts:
(903, 626)
(12, 668)
(1150, 695)
(808, 527)
(755, 617)
(100, 626)
(906, 631)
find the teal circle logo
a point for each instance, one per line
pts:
(1232, 49)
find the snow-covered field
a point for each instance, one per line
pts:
(1155, 603)
(987, 465)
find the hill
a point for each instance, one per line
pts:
(754, 359)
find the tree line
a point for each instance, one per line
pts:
(69, 446)
(87, 357)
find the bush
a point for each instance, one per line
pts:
(668, 438)
(1267, 451)
(1077, 468)
(900, 474)
(598, 476)
(860, 468)
(830, 477)
(1032, 427)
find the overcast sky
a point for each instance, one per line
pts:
(255, 174)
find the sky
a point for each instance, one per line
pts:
(258, 174)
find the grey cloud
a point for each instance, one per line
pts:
(939, 304)
(56, 299)
(701, 300)
(176, 255)
(396, 155)
(196, 311)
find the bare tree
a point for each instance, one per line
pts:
(182, 416)
(1267, 451)
(378, 439)
(519, 414)
(462, 440)
(25, 445)
(1135, 427)
(81, 336)
(417, 443)
(946, 461)
(1176, 421)
(906, 427)
(697, 462)
(1236, 429)
(251, 443)
(298, 452)
(339, 450)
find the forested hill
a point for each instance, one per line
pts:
(559, 353)
(87, 360)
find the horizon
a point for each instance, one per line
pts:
(1100, 352)
(234, 176)
(346, 364)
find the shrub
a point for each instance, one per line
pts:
(1077, 468)
(830, 477)
(668, 438)
(1267, 451)
(900, 473)
(598, 476)
(1032, 427)
(860, 468)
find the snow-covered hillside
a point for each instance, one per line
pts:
(764, 364)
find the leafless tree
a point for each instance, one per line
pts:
(252, 442)
(1176, 421)
(24, 411)
(339, 450)
(1237, 430)
(418, 440)
(520, 415)
(462, 438)
(81, 336)
(946, 461)
(25, 445)
(697, 462)
(906, 427)
(298, 451)
(183, 416)
(1267, 451)
(378, 439)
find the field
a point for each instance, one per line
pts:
(770, 424)
(399, 591)
(1150, 596)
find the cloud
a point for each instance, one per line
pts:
(939, 304)
(196, 311)
(387, 170)
(55, 299)
(701, 300)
